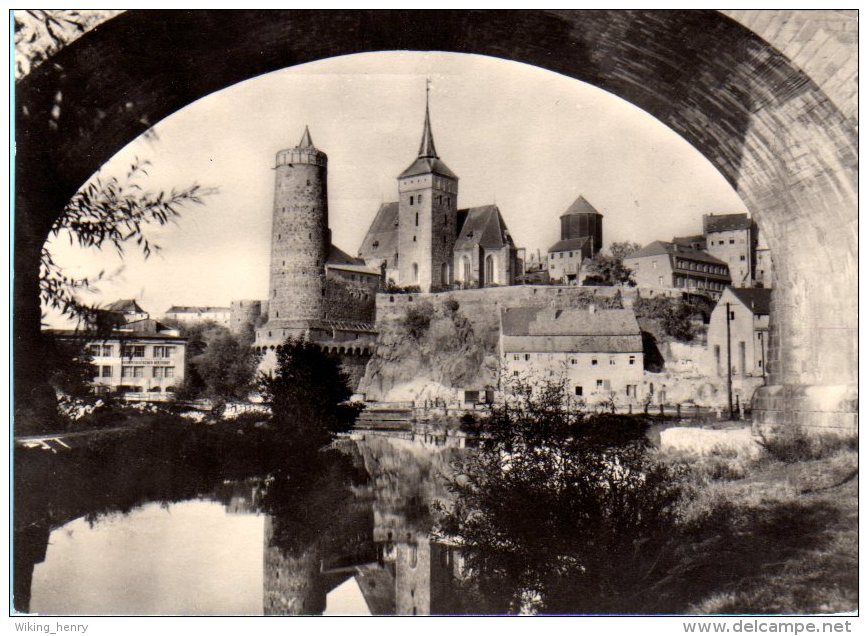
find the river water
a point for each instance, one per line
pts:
(347, 537)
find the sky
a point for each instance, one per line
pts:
(527, 139)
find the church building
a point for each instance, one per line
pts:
(423, 240)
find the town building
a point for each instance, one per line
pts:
(581, 239)
(732, 239)
(694, 241)
(127, 310)
(316, 290)
(423, 240)
(140, 360)
(662, 267)
(598, 352)
(748, 332)
(190, 315)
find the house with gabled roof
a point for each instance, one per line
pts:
(598, 352)
(664, 266)
(748, 310)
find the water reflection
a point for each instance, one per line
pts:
(347, 534)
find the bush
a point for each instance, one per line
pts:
(417, 320)
(795, 445)
(561, 511)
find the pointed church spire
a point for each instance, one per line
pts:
(306, 141)
(426, 148)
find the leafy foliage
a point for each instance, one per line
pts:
(561, 511)
(108, 211)
(417, 320)
(307, 394)
(608, 269)
(221, 367)
(673, 315)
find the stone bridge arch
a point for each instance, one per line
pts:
(784, 145)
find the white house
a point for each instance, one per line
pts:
(597, 351)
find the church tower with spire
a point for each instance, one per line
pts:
(300, 241)
(427, 217)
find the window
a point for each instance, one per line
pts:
(653, 264)
(631, 390)
(132, 372)
(164, 351)
(732, 241)
(411, 199)
(419, 199)
(515, 374)
(107, 351)
(579, 391)
(573, 361)
(158, 372)
(527, 356)
(599, 384)
(414, 239)
(611, 362)
(593, 362)
(741, 258)
(94, 350)
(552, 256)
(133, 351)
(632, 360)
(562, 254)
(106, 372)
(417, 218)
(731, 316)
(571, 254)
(515, 356)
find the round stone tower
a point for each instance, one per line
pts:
(299, 244)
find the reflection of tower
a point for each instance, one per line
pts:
(291, 583)
(425, 577)
(299, 243)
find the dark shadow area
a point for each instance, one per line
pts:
(654, 361)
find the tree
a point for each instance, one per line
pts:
(307, 394)
(608, 269)
(560, 511)
(222, 366)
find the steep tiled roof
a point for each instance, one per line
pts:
(569, 244)
(339, 257)
(581, 206)
(482, 225)
(381, 241)
(660, 248)
(126, 306)
(758, 300)
(724, 222)
(427, 165)
(577, 330)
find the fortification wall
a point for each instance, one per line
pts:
(490, 299)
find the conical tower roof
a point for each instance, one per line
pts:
(426, 148)
(306, 141)
(581, 206)
(428, 160)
